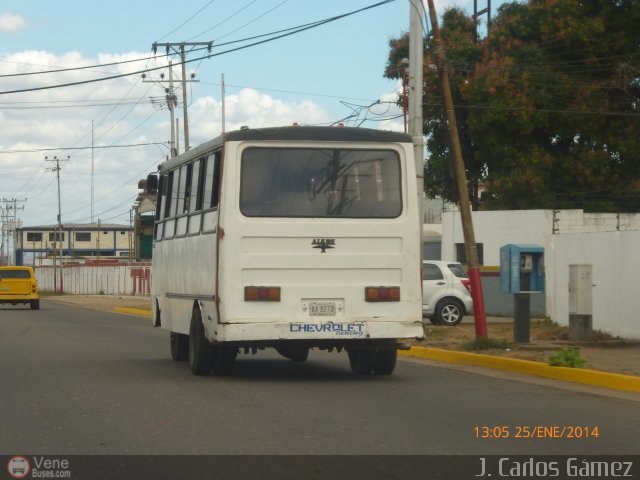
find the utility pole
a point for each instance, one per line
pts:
(59, 236)
(223, 102)
(180, 48)
(461, 182)
(92, 169)
(477, 13)
(416, 60)
(172, 103)
(9, 216)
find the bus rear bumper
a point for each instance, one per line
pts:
(323, 332)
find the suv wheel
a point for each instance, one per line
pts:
(449, 312)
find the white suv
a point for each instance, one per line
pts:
(446, 294)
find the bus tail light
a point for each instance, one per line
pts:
(382, 294)
(262, 294)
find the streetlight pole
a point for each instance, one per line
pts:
(59, 235)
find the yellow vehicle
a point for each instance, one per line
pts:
(19, 285)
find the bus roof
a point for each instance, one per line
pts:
(296, 133)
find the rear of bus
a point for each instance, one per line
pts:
(319, 243)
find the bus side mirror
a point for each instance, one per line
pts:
(151, 184)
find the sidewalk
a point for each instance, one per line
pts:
(611, 363)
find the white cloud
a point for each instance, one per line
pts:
(129, 118)
(10, 22)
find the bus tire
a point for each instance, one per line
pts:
(179, 346)
(362, 360)
(200, 350)
(35, 304)
(223, 359)
(385, 362)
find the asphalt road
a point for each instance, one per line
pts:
(78, 381)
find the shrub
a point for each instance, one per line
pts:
(568, 357)
(484, 343)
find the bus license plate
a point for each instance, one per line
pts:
(322, 309)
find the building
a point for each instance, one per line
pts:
(39, 245)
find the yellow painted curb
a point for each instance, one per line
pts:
(134, 311)
(614, 381)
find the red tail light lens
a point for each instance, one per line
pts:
(262, 294)
(467, 284)
(382, 294)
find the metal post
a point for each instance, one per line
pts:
(461, 183)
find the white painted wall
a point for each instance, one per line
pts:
(616, 261)
(610, 242)
(98, 279)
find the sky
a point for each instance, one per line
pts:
(320, 76)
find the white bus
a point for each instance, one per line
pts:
(291, 238)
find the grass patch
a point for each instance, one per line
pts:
(547, 329)
(568, 357)
(484, 343)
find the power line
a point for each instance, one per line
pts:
(186, 21)
(72, 69)
(122, 75)
(101, 147)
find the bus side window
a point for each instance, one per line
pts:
(187, 188)
(161, 199)
(162, 193)
(202, 175)
(208, 184)
(194, 187)
(167, 195)
(180, 191)
(215, 192)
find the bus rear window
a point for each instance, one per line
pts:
(293, 182)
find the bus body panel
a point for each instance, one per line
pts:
(184, 276)
(283, 252)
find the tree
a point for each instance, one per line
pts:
(459, 39)
(548, 105)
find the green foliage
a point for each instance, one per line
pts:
(568, 357)
(484, 343)
(548, 105)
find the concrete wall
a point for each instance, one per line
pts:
(610, 242)
(615, 257)
(97, 280)
(501, 304)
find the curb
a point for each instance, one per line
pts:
(614, 381)
(133, 311)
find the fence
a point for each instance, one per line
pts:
(129, 279)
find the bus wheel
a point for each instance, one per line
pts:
(200, 351)
(361, 360)
(297, 353)
(179, 346)
(385, 362)
(35, 304)
(223, 359)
